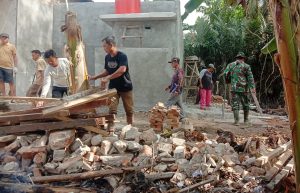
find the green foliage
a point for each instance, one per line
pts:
(225, 30)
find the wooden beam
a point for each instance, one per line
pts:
(30, 99)
(6, 130)
(28, 188)
(82, 94)
(158, 176)
(87, 128)
(80, 101)
(192, 187)
(77, 176)
(262, 160)
(30, 117)
(282, 174)
(90, 105)
(278, 165)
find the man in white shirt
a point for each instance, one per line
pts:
(57, 72)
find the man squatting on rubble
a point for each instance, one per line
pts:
(57, 72)
(116, 72)
(240, 76)
(36, 88)
(8, 64)
(175, 88)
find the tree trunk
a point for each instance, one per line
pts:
(285, 16)
(75, 52)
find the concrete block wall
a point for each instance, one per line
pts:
(34, 31)
(35, 24)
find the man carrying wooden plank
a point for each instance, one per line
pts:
(36, 88)
(56, 72)
(116, 72)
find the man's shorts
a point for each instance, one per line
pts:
(6, 75)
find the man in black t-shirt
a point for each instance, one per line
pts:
(116, 72)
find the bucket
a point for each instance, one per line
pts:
(127, 6)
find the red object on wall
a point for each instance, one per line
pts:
(127, 6)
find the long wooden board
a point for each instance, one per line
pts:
(283, 158)
(80, 101)
(32, 116)
(28, 188)
(283, 173)
(6, 130)
(18, 98)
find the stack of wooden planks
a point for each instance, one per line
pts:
(73, 111)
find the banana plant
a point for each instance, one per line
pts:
(191, 6)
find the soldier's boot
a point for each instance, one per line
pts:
(236, 117)
(246, 117)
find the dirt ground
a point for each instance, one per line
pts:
(208, 125)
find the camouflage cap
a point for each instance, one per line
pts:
(240, 55)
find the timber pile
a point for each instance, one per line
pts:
(157, 115)
(137, 160)
(73, 111)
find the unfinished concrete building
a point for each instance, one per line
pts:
(149, 38)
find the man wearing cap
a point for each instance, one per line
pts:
(175, 88)
(206, 85)
(240, 76)
(8, 63)
(40, 65)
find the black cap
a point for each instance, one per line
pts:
(174, 59)
(4, 35)
(36, 51)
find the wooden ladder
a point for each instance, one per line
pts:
(139, 35)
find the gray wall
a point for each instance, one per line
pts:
(34, 31)
(8, 18)
(30, 25)
(148, 65)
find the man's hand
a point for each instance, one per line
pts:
(175, 93)
(91, 77)
(40, 104)
(105, 80)
(15, 70)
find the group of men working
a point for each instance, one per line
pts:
(116, 75)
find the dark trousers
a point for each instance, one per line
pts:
(58, 92)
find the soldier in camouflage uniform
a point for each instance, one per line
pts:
(239, 75)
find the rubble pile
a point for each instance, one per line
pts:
(157, 115)
(136, 160)
(172, 117)
(160, 114)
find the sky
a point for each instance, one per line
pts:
(189, 20)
